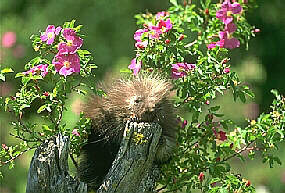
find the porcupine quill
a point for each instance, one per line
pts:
(144, 97)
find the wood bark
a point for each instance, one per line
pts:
(133, 170)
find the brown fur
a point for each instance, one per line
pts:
(145, 98)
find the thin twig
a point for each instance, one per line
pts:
(73, 160)
(13, 158)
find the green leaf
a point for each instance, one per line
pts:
(276, 94)
(2, 77)
(11, 165)
(125, 70)
(42, 108)
(7, 70)
(24, 106)
(25, 80)
(46, 128)
(174, 2)
(80, 91)
(83, 52)
(36, 60)
(215, 108)
(19, 74)
(242, 97)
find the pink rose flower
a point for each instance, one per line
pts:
(225, 41)
(66, 64)
(75, 132)
(162, 27)
(161, 14)
(139, 33)
(227, 70)
(181, 69)
(165, 26)
(141, 45)
(73, 42)
(226, 11)
(230, 27)
(135, 66)
(50, 34)
(39, 69)
(155, 32)
(8, 39)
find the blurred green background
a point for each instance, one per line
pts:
(109, 26)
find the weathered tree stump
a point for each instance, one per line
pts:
(48, 171)
(133, 170)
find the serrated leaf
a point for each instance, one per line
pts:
(83, 52)
(36, 77)
(92, 66)
(19, 74)
(36, 60)
(46, 128)
(24, 106)
(218, 115)
(42, 108)
(25, 80)
(242, 97)
(7, 70)
(125, 70)
(215, 108)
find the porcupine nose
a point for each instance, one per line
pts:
(148, 115)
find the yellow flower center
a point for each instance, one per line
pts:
(69, 43)
(66, 64)
(50, 35)
(180, 69)
(229, 13)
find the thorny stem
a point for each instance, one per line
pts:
(239, 152)
(27, 140)
(25, 129)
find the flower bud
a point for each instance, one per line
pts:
(248, 183)
(201, 176)
(4, 146)
(46, 94)
(225, 61)
(12, 98)
(227, 70)
(256, 30)
(181, 37)
(206, 11)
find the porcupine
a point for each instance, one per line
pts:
(145, 97)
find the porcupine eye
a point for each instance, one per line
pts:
(137, 101)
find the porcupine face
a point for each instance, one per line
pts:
(148, 95)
